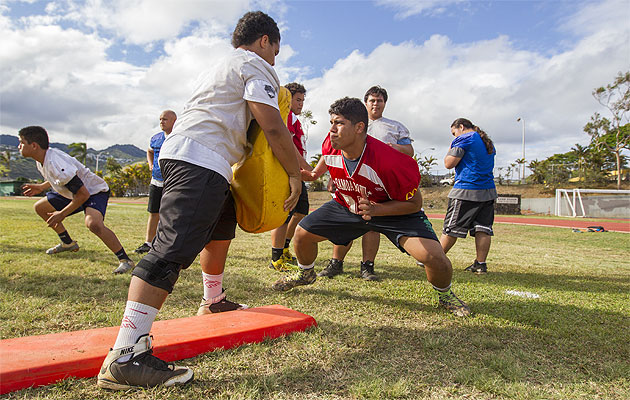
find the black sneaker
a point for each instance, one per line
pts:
(219, 304)
(334, 267)
(453, 304)
(477, 268)
(367, 271)
(144, 248)
(142, 370)
(296, 278)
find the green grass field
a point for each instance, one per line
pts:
(374, 340)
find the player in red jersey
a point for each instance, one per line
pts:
(377, 190)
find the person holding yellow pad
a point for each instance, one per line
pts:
(209, 137)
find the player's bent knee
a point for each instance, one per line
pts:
(300, 234)
(94, 227)
(438, 263)
(42, 207)
(157, 272)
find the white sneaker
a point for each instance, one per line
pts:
(124, 266)
(143, 369)
(61, 247)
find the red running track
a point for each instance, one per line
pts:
(621, 226)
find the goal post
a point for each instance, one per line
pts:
(570, 203)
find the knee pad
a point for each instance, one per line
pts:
(158, 272)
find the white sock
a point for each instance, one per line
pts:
(136, 322)
(309, 266)
(212, 285)
(444, 290)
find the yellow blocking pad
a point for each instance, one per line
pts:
(260, 184)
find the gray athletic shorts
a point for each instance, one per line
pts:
(464, 216)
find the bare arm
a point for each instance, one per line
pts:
(281, 144)
(393, 207)
(31, 189)
(150, 155)
(78, 198)
(403, 148)
(316, 172)
(451, 161)
(302, 161)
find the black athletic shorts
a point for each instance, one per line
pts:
(337, 224)
(192, 203)
(465, 216)
(302, 206)
(226, 226)
(155, 197)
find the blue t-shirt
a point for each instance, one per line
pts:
(156, 144)
(474, 170)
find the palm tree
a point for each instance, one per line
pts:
(580, 152)
(315, 159)
(78, 151)
(306, 118)
(5, 163)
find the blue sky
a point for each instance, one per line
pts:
(101, 71)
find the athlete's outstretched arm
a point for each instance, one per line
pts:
(316, 172)
(281, 144)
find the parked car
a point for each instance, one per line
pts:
(447, 181)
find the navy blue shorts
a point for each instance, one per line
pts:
(96, 201)
(334, 222)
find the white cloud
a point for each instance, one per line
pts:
(146, 21)
(63, 78)
(490, 82)
(408, 8)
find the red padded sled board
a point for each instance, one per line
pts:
(45, 359)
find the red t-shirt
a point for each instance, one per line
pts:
(295, 127)
(382, 174)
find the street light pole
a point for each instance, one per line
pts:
(97, 157)
(519, 119)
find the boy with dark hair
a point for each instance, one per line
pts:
(282, 235)
(377, 190)
(396, 135)
(74, 188)
(196, 161)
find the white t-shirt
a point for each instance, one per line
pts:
(389, 131)
(212, 130)
(59, 168)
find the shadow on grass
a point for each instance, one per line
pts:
(394, 362)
